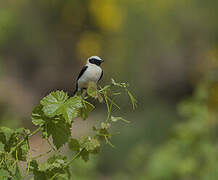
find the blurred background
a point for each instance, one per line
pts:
(167, 51)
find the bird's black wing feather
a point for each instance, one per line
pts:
(80, 74)
(82, 71)
(101, 75)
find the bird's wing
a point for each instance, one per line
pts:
(82, 71)
(101, 75)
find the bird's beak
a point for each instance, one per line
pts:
(102, 60)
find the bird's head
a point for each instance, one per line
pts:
(95, 60)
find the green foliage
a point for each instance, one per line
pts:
(190, 152)
(54, 116)
(55, 164)
(9, 138)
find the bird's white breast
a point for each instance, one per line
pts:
(92, 73)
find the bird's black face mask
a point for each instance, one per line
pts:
(95, 61)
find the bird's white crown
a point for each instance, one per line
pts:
(95, 57)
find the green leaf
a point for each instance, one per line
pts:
(56, 161)
(92, 90)
(89, 143)
(53, 102)
(17, 175)
(85, 155)
(115, 119)
(38, 117)
(55, 164)
(4, 175)
(34, 168)
(58, 103)
(22, 131)
(2, 147)
(71, 109)
(10, 138)
(86, 109)
(74, 144)
(59, 130)
(5, 134)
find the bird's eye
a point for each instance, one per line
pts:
(90, 60)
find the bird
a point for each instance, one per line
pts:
(91, 72)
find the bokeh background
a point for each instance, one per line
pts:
(167, 51)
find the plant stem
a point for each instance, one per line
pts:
(41, 155)
(108, 107)
(74, 157)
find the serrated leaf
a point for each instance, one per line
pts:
(60, 132)
(115, 119)
(38, 117)
(47, 170)
(10, 138)
(71, 108)
(86, 109)
(74, 144)
(53, 102)
(58, 103)
(5, 134)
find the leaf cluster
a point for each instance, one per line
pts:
(54, 117)
(11, 151)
